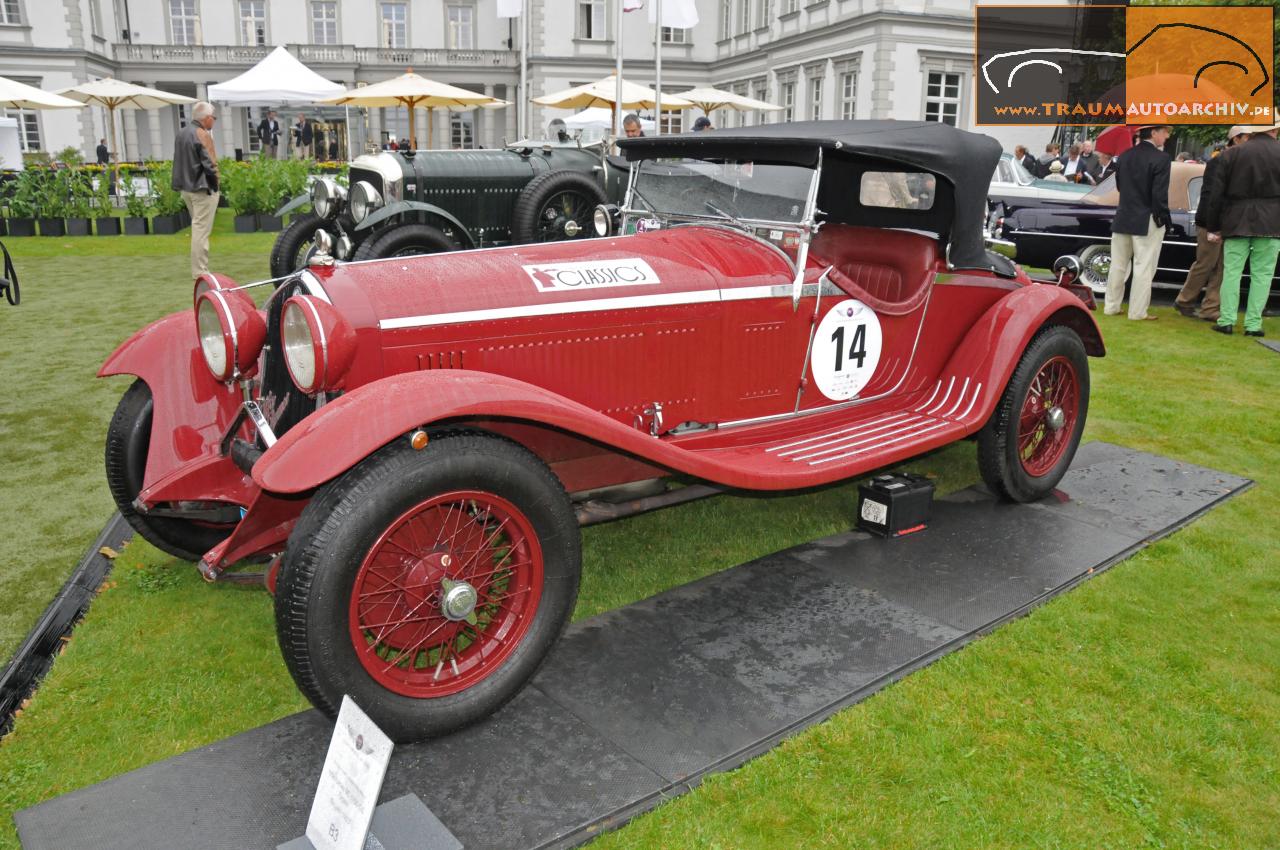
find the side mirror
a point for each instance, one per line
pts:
(1067, 269)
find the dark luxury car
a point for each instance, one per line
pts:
(1046, 230)
(401, 203)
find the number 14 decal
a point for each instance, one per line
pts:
(857, 346)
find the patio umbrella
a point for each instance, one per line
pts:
(709, 100)
(117, 94)
(16, 95)
(605, 93)
(411, 91)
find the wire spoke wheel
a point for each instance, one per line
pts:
(445, 594)
(1048, 416)
(564, 216)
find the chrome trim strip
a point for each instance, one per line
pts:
(885, 443)
(260, 423)
(665, 299)
(959, 399)
(312, 283)
(862, 429)
(909, 425)
(932, 396)
(977, 391)
(882, 418)
(940, 404)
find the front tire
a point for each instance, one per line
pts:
(407, 240)
(1028, 443)
(554, 206)
(428, 585)
(128, 442)
(293, 246)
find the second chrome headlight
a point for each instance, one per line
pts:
(364, 200)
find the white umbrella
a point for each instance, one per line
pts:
(117, 94)
(411, 90)
(16, 95)
(605, 93)
(709, 100)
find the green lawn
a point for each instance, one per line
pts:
(1142, 709)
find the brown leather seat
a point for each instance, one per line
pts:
(889, 270)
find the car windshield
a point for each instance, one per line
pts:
(735, 191)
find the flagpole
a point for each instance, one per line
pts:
(617, 73)
(522, 116)
(657, 61)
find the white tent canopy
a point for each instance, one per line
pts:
(278, 80)
(601, 118)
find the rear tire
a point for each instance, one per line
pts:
(1021, 455)
(361, 595)
(553, 202)
(406, 240)
(128, 440)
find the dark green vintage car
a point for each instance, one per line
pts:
(422, 202)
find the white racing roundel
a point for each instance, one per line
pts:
(846, 349)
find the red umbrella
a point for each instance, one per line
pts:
(1116, 140)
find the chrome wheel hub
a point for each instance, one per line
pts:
(1055, 418)
(458, 601)
(572, 228)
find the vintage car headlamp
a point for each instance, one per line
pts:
(231, 332)
(605, 219)
(211, 280)
(319, 344)
(364, 200)
(327, 197)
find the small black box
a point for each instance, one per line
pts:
(895, 504)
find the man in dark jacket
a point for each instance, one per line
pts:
(1205, 274)
(1244, 212)
(1137, 231)
(303, 136)
(104, 155)
(195, 175)
(269, 135)
(1025, 159)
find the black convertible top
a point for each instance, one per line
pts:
(965, 160)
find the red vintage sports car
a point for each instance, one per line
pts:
(412, 443)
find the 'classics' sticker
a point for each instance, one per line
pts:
(846, 349)
(592, 274)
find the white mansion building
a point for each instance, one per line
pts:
(905, 59)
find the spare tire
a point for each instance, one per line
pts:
(556, 205)
(407, 240)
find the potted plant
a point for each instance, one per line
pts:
(75, 186)
(168, 203)
(51, 203)
(137, 201)
(23, 203)
(239, 185)
(286, 180)
(104, 208)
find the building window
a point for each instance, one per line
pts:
(324, 22)
(253, 22)
(591, 19)
(766, 12)
(848, 94)
(462, 26)
(789, 6)
(744, 15)
(95, 16)
(255, 144)
(395, 25)
(726, 18)
(675, 35)
(28, 125)
(760, 91)
(672, 121)
(942, 98)
(11, 13)
(788, 90)
(462, 130)
(815, 98)
(184, 19)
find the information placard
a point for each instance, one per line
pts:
(350, 782)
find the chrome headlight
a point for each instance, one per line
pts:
(327, 197)
(364, 200)
(231, 332)
(605, 219)
(319, 344)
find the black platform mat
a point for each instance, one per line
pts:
(637, 704)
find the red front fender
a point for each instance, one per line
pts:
(343, 432)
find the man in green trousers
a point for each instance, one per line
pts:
(1244, 212)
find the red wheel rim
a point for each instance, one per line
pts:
(1054, 388)
(397, 618)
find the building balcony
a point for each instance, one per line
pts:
(323, 54)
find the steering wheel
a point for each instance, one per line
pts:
(9, 283)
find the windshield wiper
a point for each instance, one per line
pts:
(726, 216)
